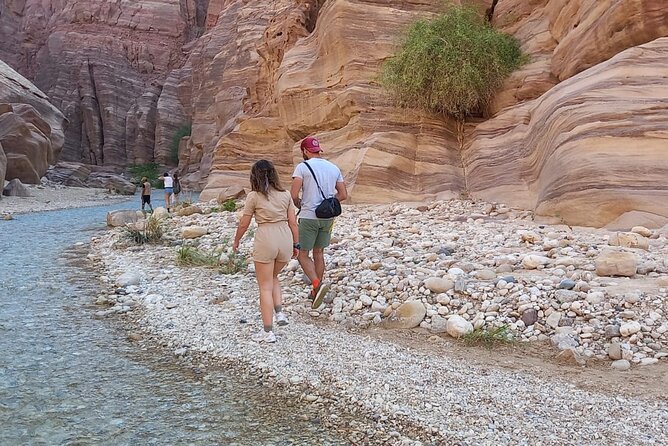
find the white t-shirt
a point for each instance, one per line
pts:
(169, 182)
(328, 175)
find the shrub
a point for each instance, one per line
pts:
(150, 233)
(226, 262)
(489, 338)
(148, 170)
(183, 130)
(451, 64)
(230, 205)
(191, 256)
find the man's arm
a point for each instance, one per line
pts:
(341, 191)
(294, 191)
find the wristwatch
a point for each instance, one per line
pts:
(296, 245)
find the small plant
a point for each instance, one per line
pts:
(149, 170)
(216, 209)
(451, 64)
(149, 231)
(184, 130)
(230, 205)
(489, 338)
(233, 263)
(191, 256)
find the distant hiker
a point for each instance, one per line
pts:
(275, 241)
(318, 180)
(169, 188)
(177, 188)
(146, 193)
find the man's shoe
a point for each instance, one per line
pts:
(281, 319)
(318, 294)
(264, 336)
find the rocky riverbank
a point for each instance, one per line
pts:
(52, 197)
(460, 266)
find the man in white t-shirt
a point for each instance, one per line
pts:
(315, 233)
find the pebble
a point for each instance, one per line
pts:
(621, 364)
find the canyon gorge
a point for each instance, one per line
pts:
(578, 134)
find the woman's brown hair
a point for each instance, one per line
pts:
(263, 176)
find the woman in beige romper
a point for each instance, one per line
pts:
(275, 240)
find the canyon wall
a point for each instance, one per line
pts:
(31, 129)
(103, 64)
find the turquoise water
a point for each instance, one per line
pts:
(69, 379)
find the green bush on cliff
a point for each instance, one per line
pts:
(184, 130)
(451, 64)
(148, 170)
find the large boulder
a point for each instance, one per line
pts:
(84, 175)
(629, 240)
(16, 189)
(123, 217)
(616, 263)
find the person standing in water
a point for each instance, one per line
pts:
(146, 194)
(276, 241)
(169, 189)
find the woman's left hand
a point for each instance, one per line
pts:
(235, 246)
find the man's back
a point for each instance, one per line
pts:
(327, 174)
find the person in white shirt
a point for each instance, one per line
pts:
(315, 233)
(169, 188)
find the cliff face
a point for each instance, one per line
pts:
(569, 131)
(31, 129)
(103, 64)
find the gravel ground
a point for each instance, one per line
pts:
(53, 197)
(402, 395)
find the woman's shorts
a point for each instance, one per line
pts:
(169, 190)
(273, 242)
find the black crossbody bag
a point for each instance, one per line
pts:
(329, 207)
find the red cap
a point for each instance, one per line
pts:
(311, 144)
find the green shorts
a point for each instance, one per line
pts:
(315, 233)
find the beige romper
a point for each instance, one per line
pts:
(273, 239)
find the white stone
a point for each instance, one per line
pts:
(458, 326)
(629, 328)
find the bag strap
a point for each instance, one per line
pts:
(316, 180)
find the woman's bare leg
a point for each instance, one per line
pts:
(264, 272)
